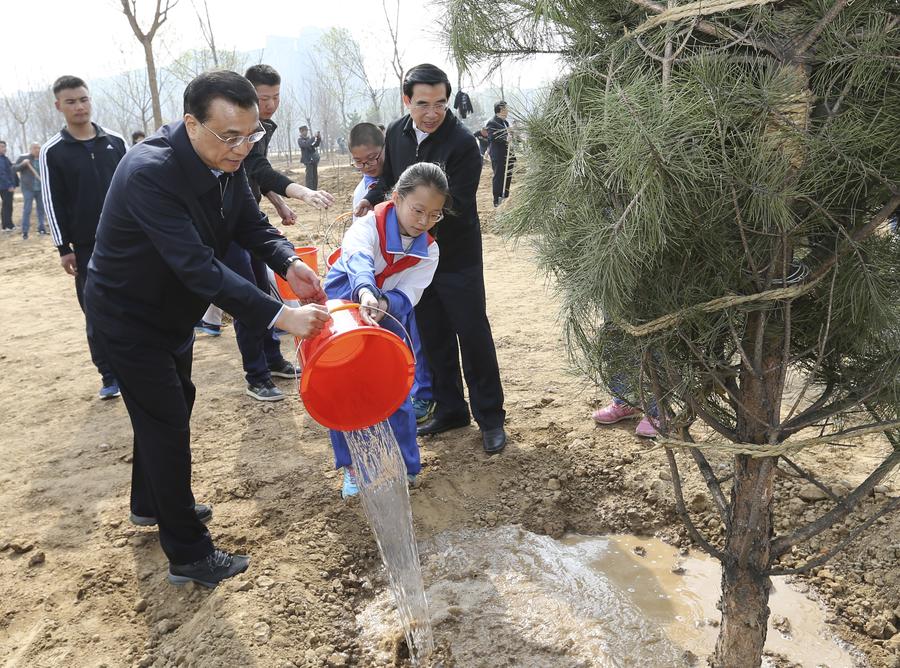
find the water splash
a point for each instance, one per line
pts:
(381, 476)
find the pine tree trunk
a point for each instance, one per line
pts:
(154, 84)
(745, 590)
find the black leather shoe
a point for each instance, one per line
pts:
(494, 440)
(204, 514)
(210, 570)
(438, 424)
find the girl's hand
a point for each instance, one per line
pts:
(371, 309)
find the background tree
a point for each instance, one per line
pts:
(160, 15)
(709, 185)
(343, 54)
(20, 108)
(392, 19)
(332, 67)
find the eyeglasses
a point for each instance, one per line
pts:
(234, 142)
(425, 107)
(432, 218)
(371, 161)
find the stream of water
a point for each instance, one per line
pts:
(383, 491)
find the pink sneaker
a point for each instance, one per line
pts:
(645, 429)
(615, 413)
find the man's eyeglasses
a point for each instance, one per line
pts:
(424, 107)
(362, 164)
(234, 142)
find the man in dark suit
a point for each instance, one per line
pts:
(451, 315)
(502, 158)
(175, 203)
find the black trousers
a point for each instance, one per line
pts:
(312, 175)
(501, 170)
(452, 319)
(159, 396)
(82, 257)
(260, 348)
(6, 209)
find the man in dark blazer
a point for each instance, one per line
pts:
(451, 315)
(175, 203)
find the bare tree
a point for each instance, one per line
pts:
(345, 51)
(394, 32)
(132, 100)
(160, 15)
(332, 76)
(19, 105)
(206, 28)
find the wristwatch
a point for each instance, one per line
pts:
(287, 264)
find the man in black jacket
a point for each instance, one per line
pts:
(76, 166)
(175, 204)
(260, 349)
(502, 159)
(451, 314)
(309, 155)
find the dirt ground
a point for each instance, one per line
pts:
(81, 586)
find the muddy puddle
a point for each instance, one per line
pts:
(507, 597)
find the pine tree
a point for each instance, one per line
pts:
(709, 184)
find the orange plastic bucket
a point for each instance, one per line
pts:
(354, 375)
(332, 259)
(309, 255)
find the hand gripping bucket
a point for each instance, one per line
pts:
(354, 375)
(309, 255)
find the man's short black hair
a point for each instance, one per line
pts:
(303, 127)
(2, 142)
(425, 74)
(263, 75)
(136, 134)
(67, 81)
(216, 84)
(499, 106)
(365, 134)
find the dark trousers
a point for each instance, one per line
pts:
(502, 171)
(452, 320)
(159, 396)
(6, 209)
(312, 175)
(82, 257)
(260, 348)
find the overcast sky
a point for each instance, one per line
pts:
(42, 39)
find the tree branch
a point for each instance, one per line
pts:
(783, 544)
(807, 40)
(682, 511)
(890, 506)
(712, 483)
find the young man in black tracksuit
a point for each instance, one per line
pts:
(451, 314)
(76, 166)
(260, 349)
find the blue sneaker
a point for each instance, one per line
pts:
(423, 409)
(208, 328)
(350, 487)
(110, 391)
(411, 479)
